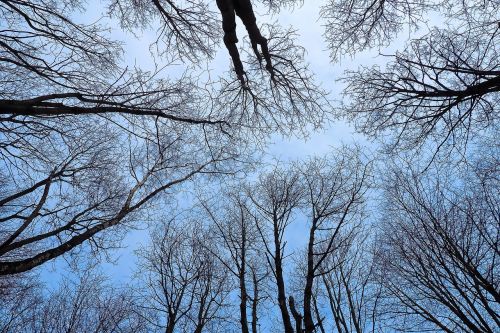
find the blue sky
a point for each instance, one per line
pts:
(305, 20)
(121, 265)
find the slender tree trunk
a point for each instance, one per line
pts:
(308, 316)
(172, 317)
(318, 316)
(201, 317)
(296, 315)
(243, 301)
(280, 281)
(170, 327)
(255, 302)
(242, 274)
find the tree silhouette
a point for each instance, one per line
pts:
(86, 303)
(442, 88)
(180, 279)
(87, 142)
(243, 9)
(439, 248)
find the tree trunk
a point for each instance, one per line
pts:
(308, 316)
(255, 302)
(280, 282)
(243, 302)
(296, 315)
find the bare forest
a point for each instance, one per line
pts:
(162, 166)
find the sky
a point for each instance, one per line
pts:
(121, 266)
(305, 20)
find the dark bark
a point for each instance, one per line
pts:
(308, 318)
(42, 108)
(243, 295)
(318, 316)
(296, 315)
(278, 263)
(23, 265)
(255, 301)
(243, 9)
(171, 324)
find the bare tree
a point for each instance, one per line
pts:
(235, 231)
(445, 87)
(335, 187)
(67, 178)
(329, 192)
(186, 30)
(67, 193)
(442, 88)
(439, 250)
(356, 25)
(20, 297)
(260, 293)
(350, 289)
(87, 143)
(181, 280)
(53, 66)
(243, 9)
(87, 303)
(276, 196)
(285, 100)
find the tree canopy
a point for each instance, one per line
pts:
(103, 144)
